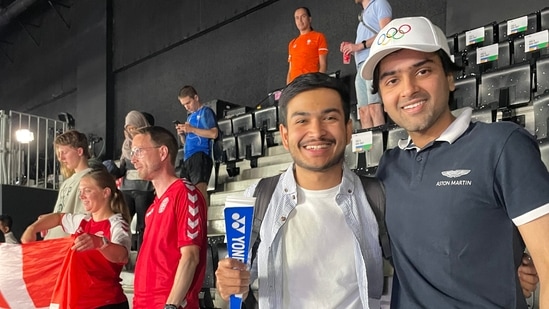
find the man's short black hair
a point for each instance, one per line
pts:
(6, 221)
(313, 81)
(306, 10)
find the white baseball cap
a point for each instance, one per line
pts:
(416, 33)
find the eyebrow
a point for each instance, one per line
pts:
(323, 112)
(416, 65)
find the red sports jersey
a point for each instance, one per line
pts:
(176, 219)
(88, 279)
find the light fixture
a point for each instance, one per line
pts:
(24, 136)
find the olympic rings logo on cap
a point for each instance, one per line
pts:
(393, 33)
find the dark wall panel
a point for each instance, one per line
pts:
(240, 62)
(469, 14)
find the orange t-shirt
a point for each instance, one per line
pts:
(304, 52)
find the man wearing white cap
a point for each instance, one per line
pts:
(460, 195)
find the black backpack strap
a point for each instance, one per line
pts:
(263, 194)
(375, 193)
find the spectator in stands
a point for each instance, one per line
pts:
(101, 243)
(5, 226)
(138, 193)
(315, 128)
(197, 135)
(317, 188)
(374, 16)
(309, 51)
(172, 260)
(72, 152)
(458, 192)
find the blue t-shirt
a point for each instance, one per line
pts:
(376, 10)
(450, 211)
(203, 118)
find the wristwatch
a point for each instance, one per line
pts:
(170, 306)
(364, 44)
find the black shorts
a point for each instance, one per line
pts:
(197, 168)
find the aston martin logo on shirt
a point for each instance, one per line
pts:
(453, 174)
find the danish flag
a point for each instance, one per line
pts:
(28, 272)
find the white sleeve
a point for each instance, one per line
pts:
(120, 232)
(71, 222)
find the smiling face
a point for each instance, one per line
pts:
(145, 156)
(316, 133)
(94, 198)
(415, 90)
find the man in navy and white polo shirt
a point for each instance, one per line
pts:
(459, 194)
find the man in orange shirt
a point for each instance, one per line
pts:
(309, 51)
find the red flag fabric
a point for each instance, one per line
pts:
(28, 272)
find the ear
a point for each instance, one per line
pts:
(349, 127)
(80, 151)
(284, 135)
(451, 82)
(107, 192)
(164, 153)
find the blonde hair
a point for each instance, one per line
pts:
(73, 139)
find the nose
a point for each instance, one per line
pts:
(316, 128)
(409, 86)
(133, 158)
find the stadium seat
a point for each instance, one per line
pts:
(544, 150)
(544, 19)
(531, 28)
(465, 94)
(266, 119)
(507, 87)
(225, 126)
(243, 122)
(368, 161)
(541, 116)
(490, 38)
(542, 76)
(250, 146)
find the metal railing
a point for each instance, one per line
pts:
(27, 154)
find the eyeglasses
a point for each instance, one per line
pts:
(138, 151)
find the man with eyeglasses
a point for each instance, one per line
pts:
(374, 16)
(172, 260)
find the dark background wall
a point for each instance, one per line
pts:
(115, 56)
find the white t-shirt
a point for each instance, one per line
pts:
(318, 254)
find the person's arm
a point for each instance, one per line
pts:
(535, 234)
(112, 252)
(190, 256)
(207, 133)
(528, 276)
(232, 277)
(288, 75)
(323, 63)
(44, 222)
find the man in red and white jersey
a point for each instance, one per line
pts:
(172, 260)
